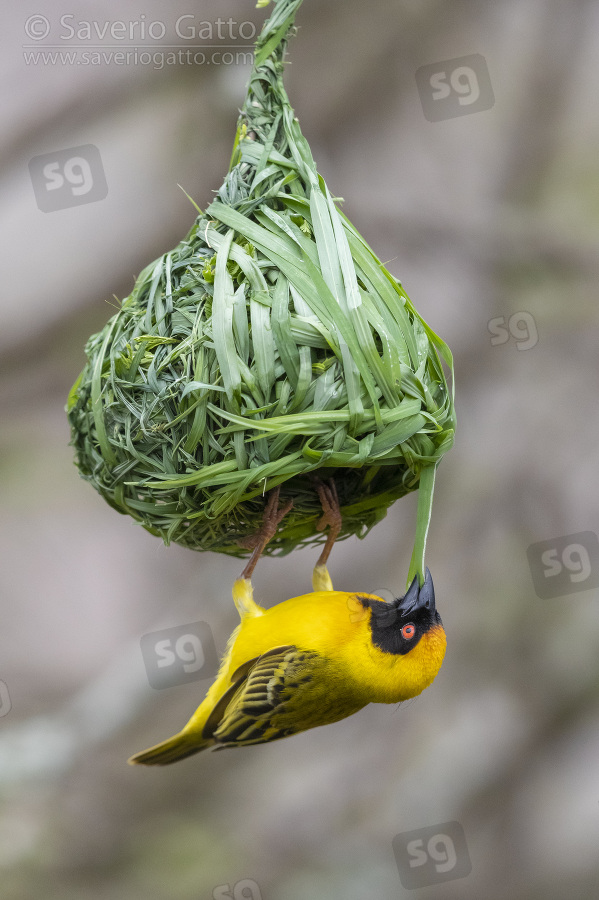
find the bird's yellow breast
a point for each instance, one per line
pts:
(337, 626)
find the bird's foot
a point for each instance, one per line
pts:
(270, 522)
(331, 517)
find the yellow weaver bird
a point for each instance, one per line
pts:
(311, 660)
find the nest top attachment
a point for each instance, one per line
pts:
(270, 344)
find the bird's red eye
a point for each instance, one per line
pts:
(408, 631)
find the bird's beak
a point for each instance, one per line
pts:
(417, 597)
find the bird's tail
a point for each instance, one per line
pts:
(176, 748)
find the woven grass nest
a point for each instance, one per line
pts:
(270, 345)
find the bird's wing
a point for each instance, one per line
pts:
(248, 711)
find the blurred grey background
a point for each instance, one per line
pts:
(486, 217)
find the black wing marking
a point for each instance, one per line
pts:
(261, 691)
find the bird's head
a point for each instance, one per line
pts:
(410, 627)
(397, 627)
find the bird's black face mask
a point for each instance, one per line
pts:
(398, 626)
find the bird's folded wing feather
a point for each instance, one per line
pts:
(252, 710)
